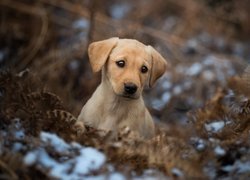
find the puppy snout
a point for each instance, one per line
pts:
(130, 88)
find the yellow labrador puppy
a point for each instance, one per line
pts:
(127, 66)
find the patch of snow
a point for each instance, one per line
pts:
(166, 96)
(158, 104)
(119, 10)
(116, 176)
(82, 23)
(198, 143)
(177, 90)
(86, 159)
(208, 75)
(210, 60)
(89, 159)
(219, 151)
(149, 174)
(76, 145)
(166, 85)
(99, 177)
(19, 134)
(215, 127)
(194, 70)
(177, 172)
(30, 158)
(238, 166)
(59, 144)
(214, 140)
(222, 67)
(17, 147)
(192, 43)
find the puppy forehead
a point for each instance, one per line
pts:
(129, 48)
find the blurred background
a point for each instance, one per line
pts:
(206, 42)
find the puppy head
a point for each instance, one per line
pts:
(128, 65)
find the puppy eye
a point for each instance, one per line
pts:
(120, 63)
(144, 69)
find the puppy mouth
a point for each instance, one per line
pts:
(129, 96)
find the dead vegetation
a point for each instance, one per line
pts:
(202, 104)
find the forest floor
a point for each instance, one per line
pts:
(201, 105)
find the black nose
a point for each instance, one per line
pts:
(130, 88)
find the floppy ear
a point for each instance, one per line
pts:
(99, 52)
(158, 67)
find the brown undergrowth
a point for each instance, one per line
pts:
(25, 103)
(51, 37)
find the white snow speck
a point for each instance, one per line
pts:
(192, 43)
(177, 172)
(210, 60)
(81, 24)
(195, 69)
(215, 127)
(219, 151)
(208, 75)
(158, 104)
(119, 10)
(30, 158)
(177, 90)
(166, 85)
(17, 147)
(200, 147)
(166, 96)
(198, 143)
(19, 134)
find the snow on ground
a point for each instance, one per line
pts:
(199, 144)
(76, 161)
(84, 161)
(219, 151)
(59, 159)
(215, 126)
(238, 166)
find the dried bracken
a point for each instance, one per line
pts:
(201, 105)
